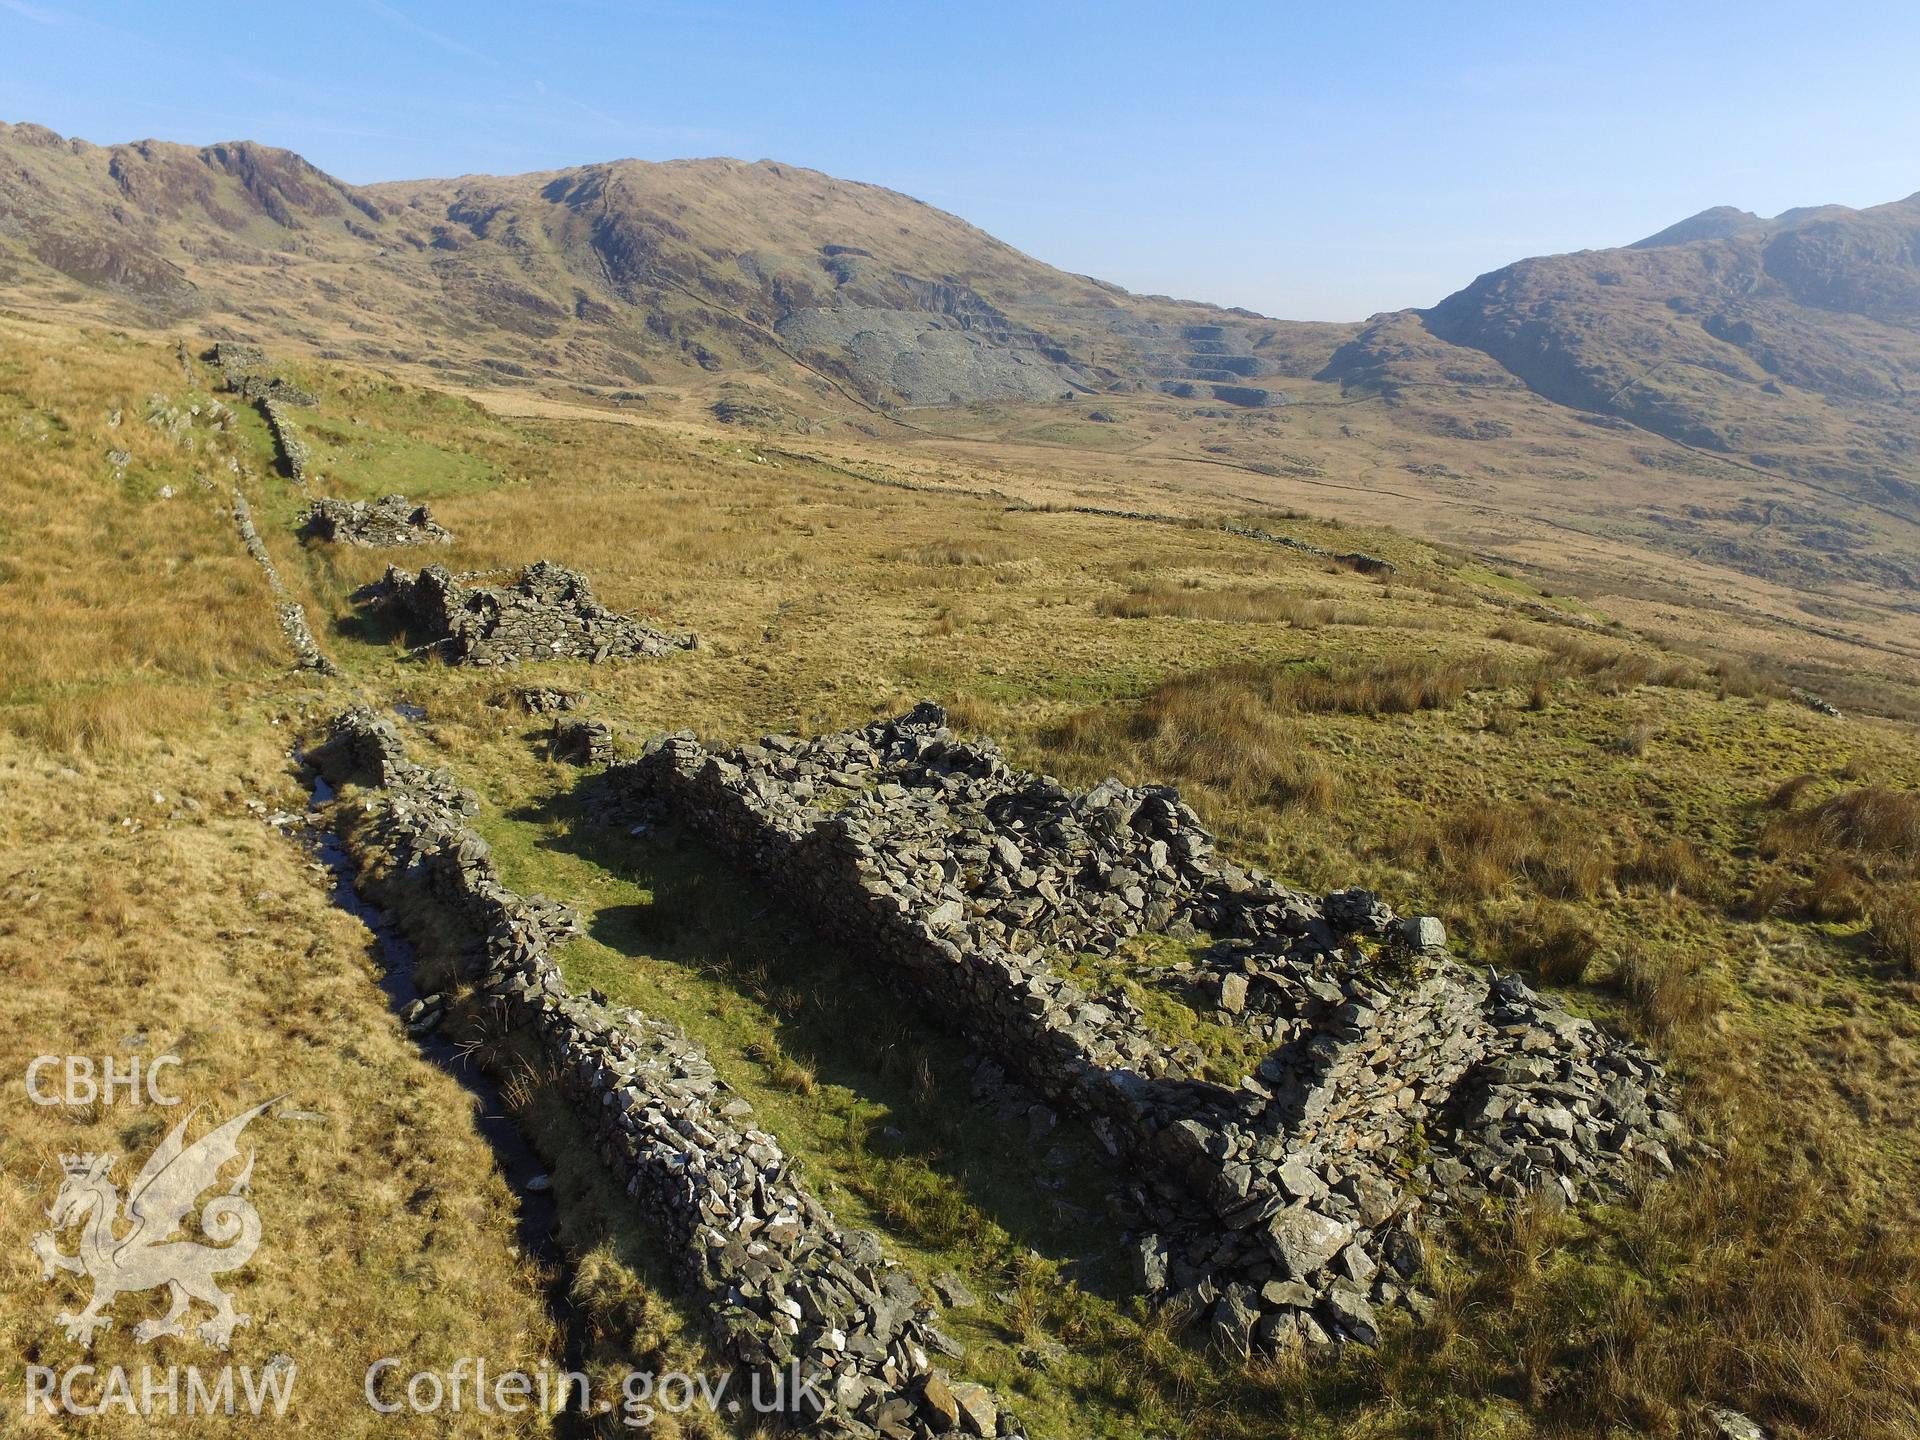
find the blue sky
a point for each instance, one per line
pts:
(1312, 162)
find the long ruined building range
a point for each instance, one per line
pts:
(1286, 1206)
(785, 1289)
(1284, 1209)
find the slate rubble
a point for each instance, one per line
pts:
(389, 521)
(548, 612)
(1399, 1084)
(782, 1283)
(581, 741)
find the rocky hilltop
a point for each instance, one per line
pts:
(1792, 343)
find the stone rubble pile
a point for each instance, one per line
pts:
(1283, 1208)
(783, 1285)
(388, 521)
(545, 699)
(547, 613)
(246, 371)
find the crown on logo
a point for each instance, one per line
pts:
(78, 1164)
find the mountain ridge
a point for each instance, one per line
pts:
(1783, 353)
(877, 289)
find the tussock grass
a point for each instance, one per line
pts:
(1553, 941)
(1483, 850)
(1874, 820)
(1633, 740)
(135, 925)
(1610, 669)
(1272, 605)
(121, 582)
(1214, 729)
(957, 553)
(1666, 988)
(1896, 926)
(1673, 864)
(1850, 858)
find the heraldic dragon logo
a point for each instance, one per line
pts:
(147, 1253)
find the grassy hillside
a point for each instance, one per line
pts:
(1663, 839)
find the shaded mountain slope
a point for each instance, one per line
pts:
(1554, 392)
(1792, 344)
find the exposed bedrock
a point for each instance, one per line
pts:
(1397, 1082)
(782, 1284)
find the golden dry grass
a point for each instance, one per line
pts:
(119, 601)
(1438, 752)
(1237, 605)
(160, 915)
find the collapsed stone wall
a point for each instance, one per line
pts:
(581, 741)
(1286, 1207)
(782, 1283)
(548, 612)
(388, 521)
(246, 370)
(1353, 559)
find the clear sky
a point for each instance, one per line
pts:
(1317, 162)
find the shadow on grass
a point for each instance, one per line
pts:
(886, 1095)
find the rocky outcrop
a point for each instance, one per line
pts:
(547, 613)
(786, 1290)
(1284, 1205)
(389, 521)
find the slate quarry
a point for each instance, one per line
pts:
(1284, 1209)
(785, 1288)
(546, 612)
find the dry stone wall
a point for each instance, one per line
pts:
(783, 1285)
(293, 616)
(1284, 1208)
(548, 612)
(246, 371)
(391, 520)
(581, 741)
(292, 452)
